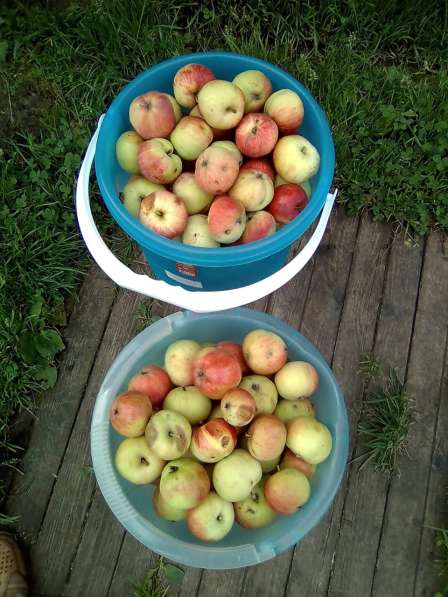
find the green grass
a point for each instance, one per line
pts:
(158, 581)
(441, 562)
(378, 68)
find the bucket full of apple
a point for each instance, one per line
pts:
(219, 440)
(215, 164)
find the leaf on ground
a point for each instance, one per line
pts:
(174, 575)
(49, 343)
(27, 347)
(48, 375)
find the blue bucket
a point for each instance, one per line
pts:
(132, 504)
(222, 268)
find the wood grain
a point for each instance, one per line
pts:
(367, 489)
(399, 548)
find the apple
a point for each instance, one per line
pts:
(130, 413)
(212, 519)
(195, 198)
(289, 200)
(213, 441)
(238, 407)
(236, 475)
(261, 165)
(216, 413)
(191, 136)
(263, 391)
(256, 88)
(289, 460)
(197, 232)
(237, 351)
(135, 190)
(216, 372)
(188, 81)
(309, 439)
(154, 114)
(267, 466)
(216, 170)
(136, 462)
(168, 434)
(163, 213)
(296, 379)
(221, 104)
(296, 159)
(286, 108)
(189, 402)
(260, 224)
(184, 483)
(217, 133)
(287, 490)
(232, 147)
(253, 188)
(226, 219)
(157, 162)
(179, 357)
(254, 512)
(164, 510)
(266, 437)
(126, 151)
(264, 351)
(152, 381)
(290, 409)
(278, 181)
(256, 135)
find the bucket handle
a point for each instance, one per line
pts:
(197, 301)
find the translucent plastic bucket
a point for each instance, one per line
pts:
(132, 504)
(255, 269)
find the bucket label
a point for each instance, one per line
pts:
(184, 281)
(187, 270)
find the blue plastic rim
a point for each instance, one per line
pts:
(163, 254)
(132, 504)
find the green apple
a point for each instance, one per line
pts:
(236, 475)
(186, 187)
(253, 188)
(166, 511)
(296, 379)
(290, 409)
(309, 439)
(136, 462)
(296, 159)
(179, 359)
(221, 104)
(256, 88)
(267, 466)
(189, 402)
(126, 150)
(286, 108)
(212, 519)
(184, 483)
(135, 190)
(197, 232)
(254, 512)
(191, 136)
(168, 434)
(263, 391)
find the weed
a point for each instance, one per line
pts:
(158, 580)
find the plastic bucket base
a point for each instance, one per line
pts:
(132, 504)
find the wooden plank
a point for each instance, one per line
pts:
(73, 490)
(427, 581)
(31, 491)
(321, 309)
(366, 494)
(133, 563)
(399, 549)
(311, 565)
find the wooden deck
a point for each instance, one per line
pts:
(364, 291)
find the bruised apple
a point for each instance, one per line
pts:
(263, 391)
(238, 407)
(213, 441)
(168, 434)
(216, 372)
(164, 213)
(130, 413)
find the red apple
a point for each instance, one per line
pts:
(289, 200)
(188, 81)
(157, 162)
(154, 114)
(256, 135)
(262, 165)
(266, 437)
(259, 225)
(130, 413)
(216, 372)
(163, 213)
(290, 460)
(226, 219)
(237, 351)
(287, 490)
(264, 351)
(213, 441)
(216, 169)
(152, 381)
(238, 407)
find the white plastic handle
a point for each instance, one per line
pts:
(197, 301)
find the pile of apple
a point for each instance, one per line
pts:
(231, 172)
(219, 445)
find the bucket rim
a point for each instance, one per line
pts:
(222, 256)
